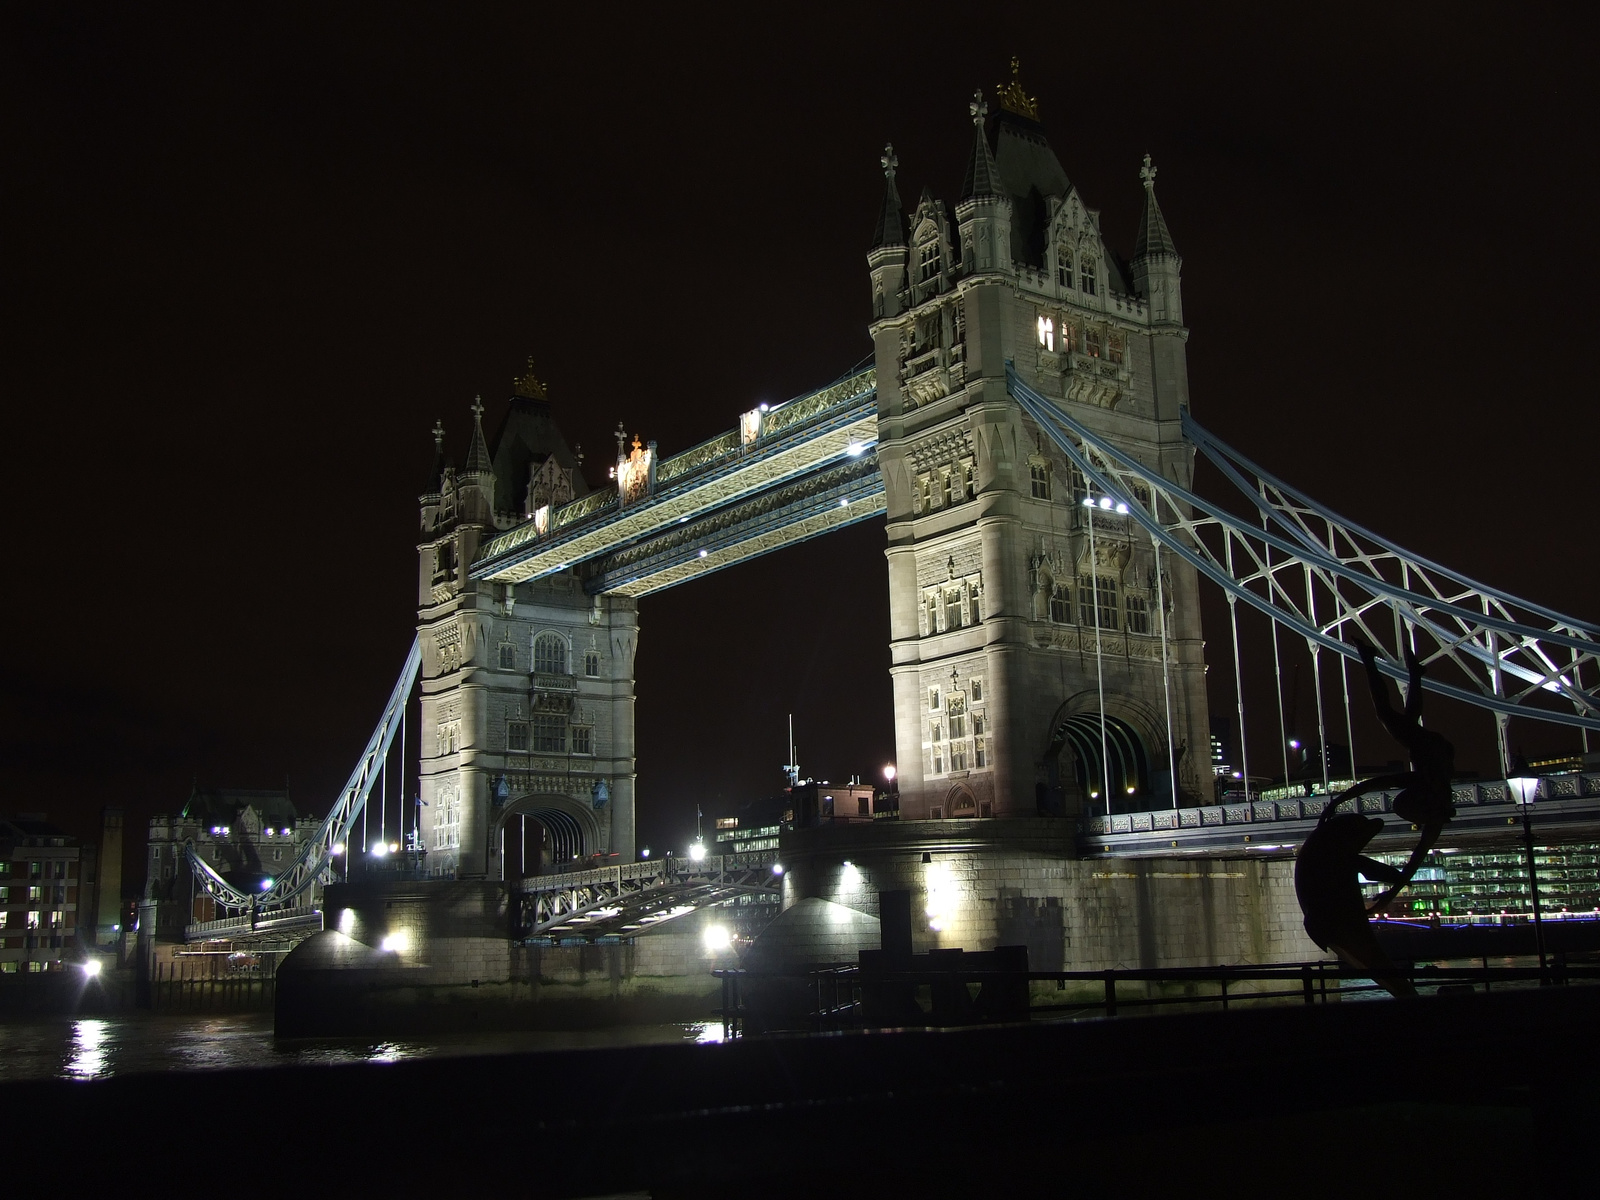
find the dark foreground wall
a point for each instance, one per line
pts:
(1465, 1095)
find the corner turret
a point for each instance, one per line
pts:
(1156, 263)
(887, 258)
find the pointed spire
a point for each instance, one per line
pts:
(1153, 235)
(891, 227)
(982, 178)
(529, 385)
(436, 476)
(478, 456)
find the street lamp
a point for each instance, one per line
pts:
(1523, 784)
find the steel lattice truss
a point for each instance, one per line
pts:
(631, 899)
(318, 851)
(1329, 580)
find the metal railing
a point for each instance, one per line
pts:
(837, 1000)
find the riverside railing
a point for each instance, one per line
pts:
(837, 999)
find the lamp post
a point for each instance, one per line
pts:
(1523, 783)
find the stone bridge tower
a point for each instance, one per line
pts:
(527, 689)
(995, 595)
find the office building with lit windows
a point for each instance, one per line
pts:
(39, 880)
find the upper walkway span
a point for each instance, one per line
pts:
(785, 474)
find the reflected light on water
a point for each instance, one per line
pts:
(703, 1033)
(89, 1058)
(388, 1052)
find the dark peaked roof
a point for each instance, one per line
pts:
(982, 177)
(223, 805)
(527, 437)
(1154, 237)
(1032, 175)
(891, 227)
(478, 456)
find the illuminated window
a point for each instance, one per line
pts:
(1064, 269)
(727, 822)
(956, 714)
(33, 920)
(582, 739)
(4, 916)
(927, 261)
(1138, 615)
(1091, 342)
(1039, 480)
(1106, 590)
(1047, 333)
(35, 894)
(517, 736)
(591, 664)
(508, 656)
(1086, 275)
(549, 735)
(549, 654)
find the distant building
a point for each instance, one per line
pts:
(749, 826)
(39, 877)
(247, 837)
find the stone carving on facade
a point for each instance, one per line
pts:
(1111, 556)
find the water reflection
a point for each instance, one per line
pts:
(92, 1048)
(89, 1058)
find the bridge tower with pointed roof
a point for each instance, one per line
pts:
(526, 688)
(1008, 620)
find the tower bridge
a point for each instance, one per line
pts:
(1025, 430)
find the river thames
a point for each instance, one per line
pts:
(85, 1048)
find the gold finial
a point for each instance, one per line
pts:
(528, 385)
(1014, 99)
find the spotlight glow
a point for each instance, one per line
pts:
(697, 852)
(91, 968)
(717, 937)
(396, 942)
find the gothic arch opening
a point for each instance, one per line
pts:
(543, 834)
(1124, 758)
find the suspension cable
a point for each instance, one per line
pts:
(1166, 676)
(1099, 663)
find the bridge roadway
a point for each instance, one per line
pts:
(1566, 808)
(632, 898)
(786, 474)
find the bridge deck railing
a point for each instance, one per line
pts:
(264, 920)
(841, 996)
(1572, 785)
(666, 869)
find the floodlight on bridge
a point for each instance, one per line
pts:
(697, 852)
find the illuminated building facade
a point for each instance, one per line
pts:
(527, 688)
(1014, 606)
(39, 893)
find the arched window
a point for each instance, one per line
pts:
(1064, 267)
(1086, 275)
(927, 260)
(1047, 333)
(550, 654)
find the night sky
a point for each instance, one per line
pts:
(248, 261)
